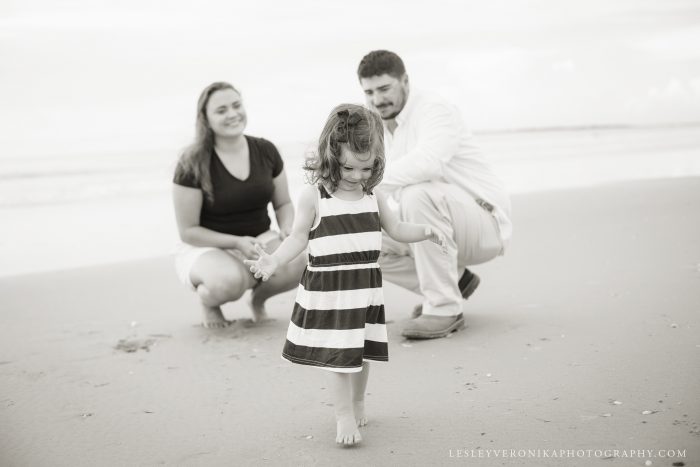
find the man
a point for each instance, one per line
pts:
(436, 176)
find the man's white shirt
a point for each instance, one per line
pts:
(431, 143)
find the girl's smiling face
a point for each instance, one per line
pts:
(355, 169)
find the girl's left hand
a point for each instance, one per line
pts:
(436, 237)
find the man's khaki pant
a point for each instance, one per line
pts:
(472, 237)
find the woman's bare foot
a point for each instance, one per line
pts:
(347, 434)
(359, 409)
(213, 318)
(257, 307)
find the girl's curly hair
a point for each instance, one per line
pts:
(362, 131)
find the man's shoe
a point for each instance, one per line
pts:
(432, 327)
(467, 285)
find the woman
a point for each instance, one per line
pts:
(222, 186)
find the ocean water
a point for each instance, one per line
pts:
(97, 97)
(74, 211)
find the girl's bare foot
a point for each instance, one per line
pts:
(359, 409)
(348, 433)
(213, 318)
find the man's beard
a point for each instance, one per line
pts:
(391, 116)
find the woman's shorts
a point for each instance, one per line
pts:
(187, 255)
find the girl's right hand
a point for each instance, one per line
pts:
(247, 245)
(265, 266)
(437, 237)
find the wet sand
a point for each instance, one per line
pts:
(583, 337)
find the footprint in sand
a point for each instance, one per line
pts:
(134, 345)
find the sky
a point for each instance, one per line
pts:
(97, 77)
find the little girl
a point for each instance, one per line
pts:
(338, 318)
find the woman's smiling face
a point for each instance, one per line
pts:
(226, 114)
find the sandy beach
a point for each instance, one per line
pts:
(583, 338)
(582, 346)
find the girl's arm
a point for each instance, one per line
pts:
(284, 210)
(406, 232)
(188, 207)
(266, 265)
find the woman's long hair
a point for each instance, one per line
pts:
(362, 131)
(196, 158)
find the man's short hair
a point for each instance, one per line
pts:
(381, 62)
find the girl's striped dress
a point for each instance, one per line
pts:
(338, 317)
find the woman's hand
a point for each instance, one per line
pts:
(247, 247)
(265, 266)
(436, 237)
(284, 233)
